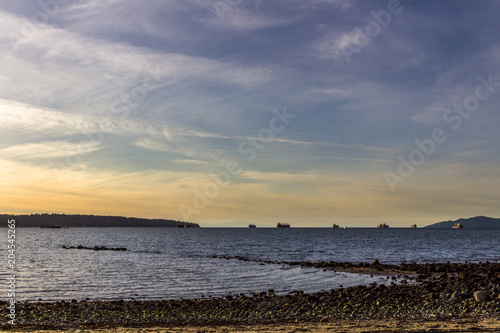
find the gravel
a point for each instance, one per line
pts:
(437, 291)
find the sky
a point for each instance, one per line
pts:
(230, 112)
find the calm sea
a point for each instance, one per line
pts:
(163, 263)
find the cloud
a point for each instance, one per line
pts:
(192, 161)
(47, 149)
(152, 145)
(66, 67)
(166, 91)
(336, 46)
(429, 117)
(234, 15)
(329, 94)
(90, 191)
(20, 119)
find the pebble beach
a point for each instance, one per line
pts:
(448, 294)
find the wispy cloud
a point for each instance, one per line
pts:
(20, 119)
(214, 70)
(234, 14)
(152, 145)
(335, 45)
(70, 67)
(46, 150)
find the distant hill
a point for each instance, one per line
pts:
(72, 221)
(478, 222)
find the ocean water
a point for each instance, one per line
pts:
(165, 263)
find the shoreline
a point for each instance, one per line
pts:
(445, 292)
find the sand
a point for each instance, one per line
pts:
(453, 325)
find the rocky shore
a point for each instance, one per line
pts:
(430, 291)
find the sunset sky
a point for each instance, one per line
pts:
(232, 112)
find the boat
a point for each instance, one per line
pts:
(457, 225)
(345, 227)
(282, 225)
(383, 226)
(50, 226)
(413, 226)
(183, 225)
(336, 226)
(252, 226)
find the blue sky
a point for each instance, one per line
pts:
(127, 108)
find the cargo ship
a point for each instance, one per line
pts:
(282, 225)
(382, 226)
(251, 226)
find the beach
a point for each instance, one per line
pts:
(433, 297)
(459, 325)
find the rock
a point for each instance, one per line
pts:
(455, 296)
(481, 296)
(375, 262)
(95, 248)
